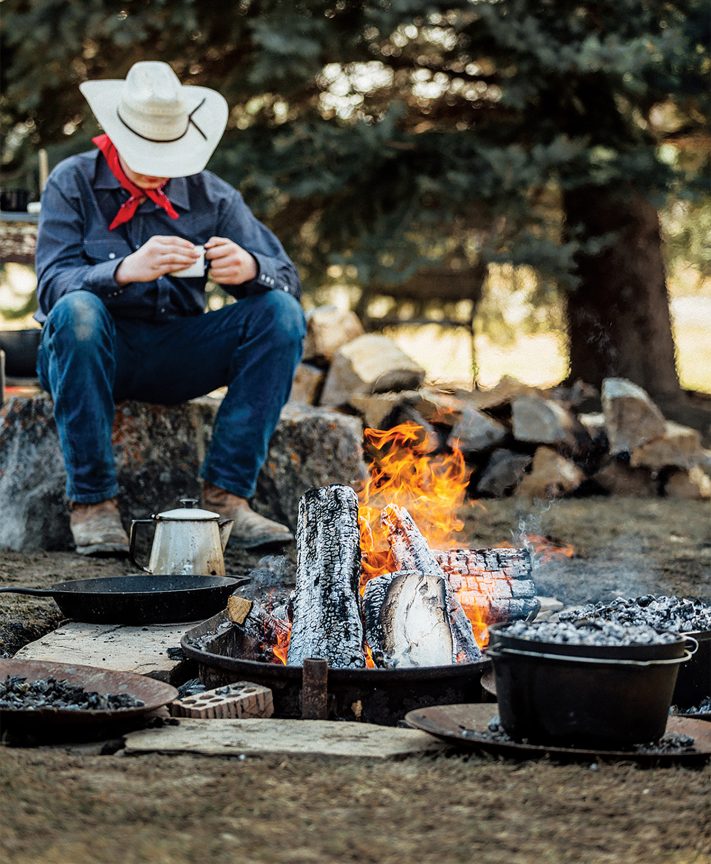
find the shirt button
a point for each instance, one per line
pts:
(162, 308)
(112, 254)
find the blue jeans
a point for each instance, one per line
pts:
(89, 360)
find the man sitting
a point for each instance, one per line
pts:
(121, 321)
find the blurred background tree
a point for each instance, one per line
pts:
(406, 147)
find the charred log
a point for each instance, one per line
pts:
(371, 605)
(512, 563)
(411, 552)
(414, 620)
(498, 588)
(326, 618)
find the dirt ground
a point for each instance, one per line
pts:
(69, 806)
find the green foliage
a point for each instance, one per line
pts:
(390, 134)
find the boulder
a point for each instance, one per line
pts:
(158, 452)
(329, 328)
(310, 447)
(502, 473)
(369, 364)
(542, 421)
(631, 418)
(307, 385)
(475, 431)
(500, 395)
(552, 476)
(692, 485)
(617, 478)
(678, 447)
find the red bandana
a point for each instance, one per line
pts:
(128, 209)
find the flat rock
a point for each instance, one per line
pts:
(502, 393)
(437, 406)
(631, 418)
(158, 452)
(329, 328)
(691, 485)
(112, 646)
(503, 473)
(302, 737)
(552, 476)
(475, 431)
(369, 364)
(310, 447)
(678, 447)
(541, 421)
(379, 410)
(616, 478)
(308, 381)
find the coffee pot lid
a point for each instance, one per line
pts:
(189, 512)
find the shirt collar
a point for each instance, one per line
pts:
(176, 188)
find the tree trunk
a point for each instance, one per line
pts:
(618, 317)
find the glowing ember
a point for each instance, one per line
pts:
(281, 648)
(432, 488)
(544, 548)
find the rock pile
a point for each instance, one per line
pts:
(518, 439)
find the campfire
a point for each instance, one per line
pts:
(380, 582)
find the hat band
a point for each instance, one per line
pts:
(190, 123)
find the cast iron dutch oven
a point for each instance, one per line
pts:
(141, 599)
(584, 695)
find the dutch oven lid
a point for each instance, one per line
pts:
(189, 512)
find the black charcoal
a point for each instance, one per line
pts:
(675, 614)
(587, 632)
(19, 694)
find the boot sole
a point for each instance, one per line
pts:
(104, 549)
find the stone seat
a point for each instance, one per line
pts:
(158, 452)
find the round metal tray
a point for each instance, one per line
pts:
(465, 726)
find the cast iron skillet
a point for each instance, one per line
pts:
(142, 599)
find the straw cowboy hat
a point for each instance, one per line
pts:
(160, 127)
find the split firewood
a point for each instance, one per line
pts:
(499, 609)
(259, 630)
(411, 552)
(511, 563)
(371, 604)
(326, 618)
(414, 620)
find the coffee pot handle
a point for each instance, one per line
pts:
(132, 534)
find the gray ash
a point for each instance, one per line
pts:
(704, 707)
(17, 693)
(674, 742)
(588, 632)
(665, 614)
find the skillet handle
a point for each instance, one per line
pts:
(132, 534)
(36, 592)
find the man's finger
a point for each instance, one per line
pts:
(218, 252)
(217, 241)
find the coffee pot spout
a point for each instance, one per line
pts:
(225, 526)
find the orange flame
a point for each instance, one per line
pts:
(545, 548)
(281, 648)
(403, 472)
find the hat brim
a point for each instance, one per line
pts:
(189, 155)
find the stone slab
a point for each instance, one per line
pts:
(112, 646)
(297, 737)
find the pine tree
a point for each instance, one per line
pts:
(413, 143)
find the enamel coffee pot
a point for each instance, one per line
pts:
(187, 541)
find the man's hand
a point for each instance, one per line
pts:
(230, 264)
(157, 256)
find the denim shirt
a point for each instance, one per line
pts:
(76, 251)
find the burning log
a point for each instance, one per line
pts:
(371, 604)
(414, 620)
(510, 563)
(411, 552)
(326, 620)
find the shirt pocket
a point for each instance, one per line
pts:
(96, 251)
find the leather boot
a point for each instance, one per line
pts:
(250, 530)
(97, 528)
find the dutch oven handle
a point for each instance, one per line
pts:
(692, 645)
(132, 534)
